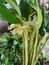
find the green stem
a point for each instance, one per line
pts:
(39, 50)
(26, 46)
(31, 44)
(23, 55)
(35, 47)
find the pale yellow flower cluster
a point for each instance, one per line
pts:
(18, 29)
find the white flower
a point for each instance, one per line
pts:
(11, 26)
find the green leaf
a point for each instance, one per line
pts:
(15, 42)
(25, 8)
(6, 61)
(46, 56)
(15, 7)
(5, 14)
(33, 1)
(38, 63)
(42, 32)
(2, 50)
(3, 40)
(47, 26)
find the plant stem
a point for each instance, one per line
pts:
(26, 46)
(35, 47)
(23, 55)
